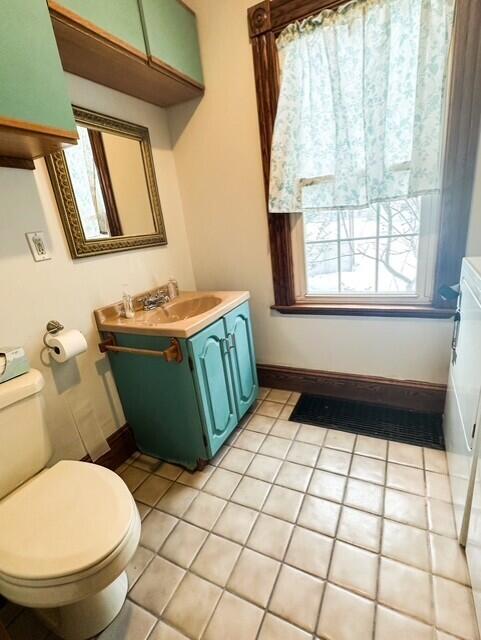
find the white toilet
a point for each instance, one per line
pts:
(67, 532)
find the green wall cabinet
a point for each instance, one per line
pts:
(36, 116)
(184, 412)
(171, 36)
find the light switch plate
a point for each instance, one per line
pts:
(36, 242)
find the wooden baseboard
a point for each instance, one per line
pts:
(402, 394)
(122, 446)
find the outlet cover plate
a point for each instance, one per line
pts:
(36, 242)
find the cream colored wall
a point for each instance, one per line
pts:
(217, 153)
(32, 293)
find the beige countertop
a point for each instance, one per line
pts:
(184, 316)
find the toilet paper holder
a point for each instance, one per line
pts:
(53, 327)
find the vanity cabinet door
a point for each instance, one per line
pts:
(241, 347)
(212, 374)
(171, 37)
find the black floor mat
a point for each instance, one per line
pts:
(400, 425)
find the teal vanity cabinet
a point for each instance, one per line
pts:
(184, 412)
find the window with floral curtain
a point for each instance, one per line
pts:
(358, 146)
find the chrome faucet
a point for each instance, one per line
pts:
(155, 300)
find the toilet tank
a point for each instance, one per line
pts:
(24, 442)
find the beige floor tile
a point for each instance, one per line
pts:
(391, 625)
(407, 454)
(249, 440)
(355, 569)
(405, 478)
(294, 476)
(345, 616)
(283, 503)
(405, 507)
(334, 461)
(303, 453)
(152, 490)
(147, 463)
(155, 529)
(309, 551)
(219, 456)
(133, 477)
(441, 518)
(270, 409)
(320, 515)
(264, 468)
(234, 619)
(236, 522)
(448, 559)
(327, 485)
(364, 495)
(438, 486)
(183, 544)
(435, 460)
(222, 483)
(162, 631)
(216, 559)
(297, 597)
(285, 429)
(177, 499)
(276, 447)
(274, 628)
(205, 510)
(360, 528)
(311, 434)
(406, 544)
(157, 584)
(118, 470)
(454, 608)
(371, 447)
(368, 469)
(286, 412)
(340, 440)
(192, 605)
(270, 536)
(169, 471)
(253, 577)
(279, 395)
(26, 626)
(251, 492)
(132, 623)
(143, 510)
(196, 479)
(440, 635)
(405, 589)
(236, 460)
(263, 393)
(294, 398)
(261, 424)
(139, 562)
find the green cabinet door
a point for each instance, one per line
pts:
(120, 18)
(241, 347)
(171, 36)
(33, 88)
(213, 378)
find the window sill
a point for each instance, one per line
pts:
(386, 310)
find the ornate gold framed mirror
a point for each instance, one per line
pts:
(105, 187)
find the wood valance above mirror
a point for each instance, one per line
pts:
(106, 188)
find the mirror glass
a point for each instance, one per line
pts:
(106, 188)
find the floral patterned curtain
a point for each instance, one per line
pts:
(360, 114)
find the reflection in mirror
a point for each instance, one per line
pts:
(105, 187)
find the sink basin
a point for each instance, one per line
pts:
(185, 316)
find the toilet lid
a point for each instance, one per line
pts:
(63, 521)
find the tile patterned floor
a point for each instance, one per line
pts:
(293, 532)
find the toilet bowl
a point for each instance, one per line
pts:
(67, 532)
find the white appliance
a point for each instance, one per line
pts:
(461, 414)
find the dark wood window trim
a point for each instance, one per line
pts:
(265, 21)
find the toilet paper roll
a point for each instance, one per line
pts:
(66, 345)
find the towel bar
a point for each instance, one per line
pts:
(173, 353)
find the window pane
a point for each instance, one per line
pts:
(399, 217)
(321, 268)
(398, 262)
(358, 266)
(358, 223)
(320, 225)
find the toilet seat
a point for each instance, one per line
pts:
(68, 531)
